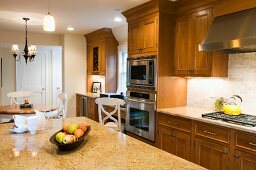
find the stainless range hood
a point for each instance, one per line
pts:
(233, 33)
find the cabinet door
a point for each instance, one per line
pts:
(135, 37)
(92, 109)
(201, 60)
(89, 59)
(150, 36)
(174, 142)
(244, 160)
(96, 54)
(184, 45)
(102, 58)
(211, 155)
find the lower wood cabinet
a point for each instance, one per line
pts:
(92, 109)
(211, 155)
(211, 146)
(174, 141)
(245, 160)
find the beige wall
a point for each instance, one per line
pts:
(241, 80)
(18, 37)
(74, 69)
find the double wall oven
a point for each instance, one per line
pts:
(141, 97)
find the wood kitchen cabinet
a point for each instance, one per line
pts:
(245, 160)
(211, 146)
(190, 31)
(174, 135)
(245, 151)
(211, 155)
(92, 109)
(102, 58)
(174, 141)
(142, 36)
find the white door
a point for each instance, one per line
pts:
(38, 76)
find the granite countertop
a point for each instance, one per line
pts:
(195, 113)
(103, 148)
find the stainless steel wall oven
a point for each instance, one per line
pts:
(140, 116)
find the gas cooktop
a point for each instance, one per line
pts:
(243, 119)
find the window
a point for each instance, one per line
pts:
(122, 66)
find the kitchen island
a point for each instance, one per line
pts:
(103, 148)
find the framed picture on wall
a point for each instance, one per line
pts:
(96, 87)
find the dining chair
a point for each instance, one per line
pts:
(114, 102)
(14, 96)
(61, 110)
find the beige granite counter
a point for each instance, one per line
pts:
(90, 94)
(103, 149)
(196, 114)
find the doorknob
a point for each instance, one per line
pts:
(43, 89)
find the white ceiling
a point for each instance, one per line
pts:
(84, 15)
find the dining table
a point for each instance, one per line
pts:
(8, 111)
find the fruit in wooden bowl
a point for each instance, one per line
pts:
(69, 141)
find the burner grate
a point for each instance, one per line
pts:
(243, 119)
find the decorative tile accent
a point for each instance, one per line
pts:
(241, 80)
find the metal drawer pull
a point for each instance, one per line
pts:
(210, 133)
(252, 143)
(237, 156)
(174, 123)
(225, 152)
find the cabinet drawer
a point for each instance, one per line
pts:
(246, 140)
(212, 132)
(175, 122)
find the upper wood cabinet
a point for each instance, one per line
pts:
(102, 58)
(190, 32)
(143, 35)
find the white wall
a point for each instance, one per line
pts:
(74, 69)
(202, 92)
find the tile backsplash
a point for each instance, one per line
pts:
(241, 80)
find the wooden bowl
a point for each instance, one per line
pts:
(69, 146)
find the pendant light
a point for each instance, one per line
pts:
(49, 22)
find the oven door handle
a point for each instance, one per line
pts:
(140, 101)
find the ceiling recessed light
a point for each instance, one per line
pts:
(70, 29)
(118, 19)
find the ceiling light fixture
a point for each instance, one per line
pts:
(70, 29)
(29, 52)
(118, 17)
(49, 22)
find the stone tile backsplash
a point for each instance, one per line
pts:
(241, 80)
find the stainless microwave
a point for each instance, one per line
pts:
(141, 72)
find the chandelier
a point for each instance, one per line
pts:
(28, 53)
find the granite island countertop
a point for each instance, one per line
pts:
(103, 148)
(195, 113)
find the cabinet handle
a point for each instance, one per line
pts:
(173, 123)
(252, 143)
(237, 156)
(225, 152)
(210, 133)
